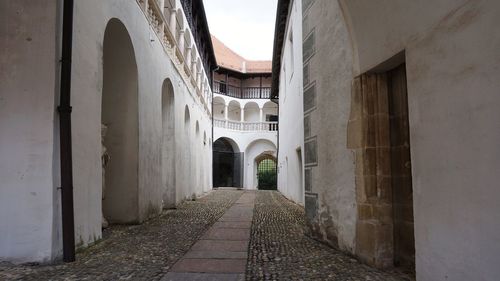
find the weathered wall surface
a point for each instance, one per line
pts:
(154, 66)
(291, 137)
(452, 57)
(29, 161)
(29, 201)
(330, 197)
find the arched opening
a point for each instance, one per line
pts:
(168, 143)
(197, 155)
(270, 111)
(254, 153)
(227, 164)
(219, 108)
(119, 116)
(187, 153)
(266, 172)
(252, 112)
(234, 111)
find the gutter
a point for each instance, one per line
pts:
(64, 109)
(279, 34)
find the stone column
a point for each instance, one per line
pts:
(173, 20)
(242, 114)
(226, 107)
(188, 56)
(180, 44)
(260, 115)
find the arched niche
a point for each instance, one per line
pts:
(119, 115)
(168, 143)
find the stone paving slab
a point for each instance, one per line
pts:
(235, 219)
(227, 234)
(210, 265)
(216, 255)
(178, 276)
(214, 245)
(221, 249)
(233, 224)
(136, 252)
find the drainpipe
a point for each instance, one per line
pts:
(64, 109)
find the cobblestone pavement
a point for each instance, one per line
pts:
(279, 250)
(140, 252)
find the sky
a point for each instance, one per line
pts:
(245, 26)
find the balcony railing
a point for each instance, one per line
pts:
(242, 93)
(246, 126)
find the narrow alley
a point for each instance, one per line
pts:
(277, 248)
(347, 140)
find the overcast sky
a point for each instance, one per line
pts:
(245, 26)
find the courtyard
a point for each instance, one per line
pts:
(204, 240)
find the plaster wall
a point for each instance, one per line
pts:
(30, 226)
(252, 144)
(331, 169)
(29, 147)
(452, 57)
(154, 66)
(291, 124)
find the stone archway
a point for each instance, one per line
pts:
(119, 116)
(226, 163)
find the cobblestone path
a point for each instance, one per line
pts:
(141, 252)
(279, 250)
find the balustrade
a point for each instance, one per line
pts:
(166, 32)
(242, 93)
(246, 126)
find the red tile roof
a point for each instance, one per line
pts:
(227, 58)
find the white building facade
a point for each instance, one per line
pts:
(138, 75)
(243, 116)
(290, 89)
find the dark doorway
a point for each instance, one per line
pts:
(227, 164)
(266, 174)
(401, 179)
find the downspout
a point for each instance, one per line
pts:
(64, 109)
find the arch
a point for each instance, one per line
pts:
(168, 143)
(231, 142)
(120, 116)
(266, 170)
(219, 107)
(226, 163)
(269, 109)
(234, 111)
(252, 112)
(187, 116)
(253, 152)
(186, 157)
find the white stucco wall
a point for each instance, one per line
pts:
(291, 136)
(29, 170)
(30, 226)
(154, 65)
(452, 57)
(251, 143)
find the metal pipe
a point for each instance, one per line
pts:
(64, 109)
